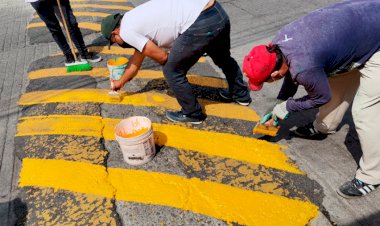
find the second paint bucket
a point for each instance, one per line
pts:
(135, 137)
(116, 67)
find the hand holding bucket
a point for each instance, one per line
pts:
(116, 67)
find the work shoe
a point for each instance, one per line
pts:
(91, 57)
(355, 188)
(69, 59)
(226, 96)
(310, 132)
(180, 117)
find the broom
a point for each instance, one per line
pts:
(77, 65)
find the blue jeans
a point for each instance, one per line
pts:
(210, 34)
(48, 12)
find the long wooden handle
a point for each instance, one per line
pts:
(67, 30)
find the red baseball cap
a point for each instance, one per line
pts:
(258, 65)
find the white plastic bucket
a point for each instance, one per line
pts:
(116, 67)
(135, 137)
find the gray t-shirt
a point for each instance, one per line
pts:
(325, 42)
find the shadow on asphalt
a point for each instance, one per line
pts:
(13, 212)
(373, 219)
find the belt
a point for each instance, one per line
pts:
(210, 4)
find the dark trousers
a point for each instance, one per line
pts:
(49, 13)
(209, 34)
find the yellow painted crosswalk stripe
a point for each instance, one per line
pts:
(211, 143)
(120, 1)
(83, 25)
(90, 14)
(97, 6)
(212, 199)
(151, 99)
(117, 50)
(142, 74)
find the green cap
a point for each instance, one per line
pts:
(109, 23)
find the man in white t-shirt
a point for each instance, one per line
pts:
(189, 29)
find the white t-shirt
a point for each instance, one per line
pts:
(161, 21)
(29, 1)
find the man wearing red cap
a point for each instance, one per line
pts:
(334, 54)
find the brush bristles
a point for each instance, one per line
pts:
(79, 67)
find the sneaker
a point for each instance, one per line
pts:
(310, 132)
(226, 96)
(91, 57)
(69, 59)
(180, 117)
(355, 188)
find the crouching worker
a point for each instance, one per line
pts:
(189, 29)
(334, 54)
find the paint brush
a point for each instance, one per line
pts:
(265, 130)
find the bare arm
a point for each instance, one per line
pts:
(152, 51)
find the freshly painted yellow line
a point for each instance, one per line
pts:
(84, 25)
(212, 199)
(81, 125)
(96, 6)
(151, 99)
(117, 50)
(90, 14)
(120, 1)
(212, 143)
(142, 74)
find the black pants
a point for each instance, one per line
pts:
(210, 34)
(49, 12)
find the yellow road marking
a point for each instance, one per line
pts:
(216, 200)
(212, 143)
(142, 74)
(120, 1)
(117, 50)
(96, 6)
(84, 25)
(91, 14)
(151, 99)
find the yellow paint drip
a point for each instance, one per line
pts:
(216, 200)
(211, 143)
(151, 99)
(83, 25)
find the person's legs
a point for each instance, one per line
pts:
(343, 88)
(72, 24)
(45, 11)
(219, 51)
(181, 58)
(366, 115)
(186, 51)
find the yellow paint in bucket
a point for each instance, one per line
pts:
(135, 138)
(117, 66)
